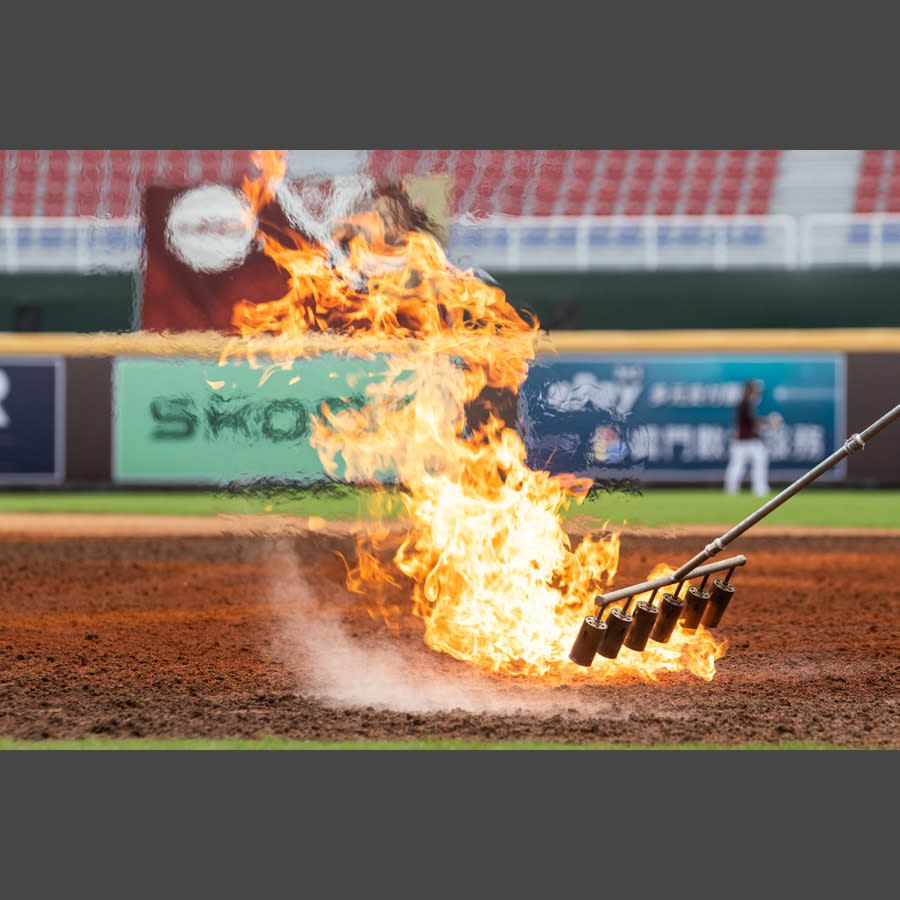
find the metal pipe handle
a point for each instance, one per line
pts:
(851, 445)
(605, 600)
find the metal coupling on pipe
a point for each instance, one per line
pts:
(854, 443)
(715, 547)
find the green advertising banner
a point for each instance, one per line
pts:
(198, 422)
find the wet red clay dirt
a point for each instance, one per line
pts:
(239, 635)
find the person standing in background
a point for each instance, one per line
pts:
(747, 447)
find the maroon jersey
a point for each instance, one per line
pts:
(746, 421)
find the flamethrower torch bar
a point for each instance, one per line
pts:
(657, 623)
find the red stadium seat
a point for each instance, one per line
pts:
(638, 192)
(541, 182)
(726, 205)
(704, 168)
(873, 163)
(674, 166)
(175, 163)
(665, 206)
(509, 201)
(585, 164)
(614, 165)
(87, 197)
(761, 192)
(440, 161)
(644, 167)
(108, 182)
(547, 192)
(868, 186)
(695, 206)
(543, 207)
(609, 192)
(603, 206)
(240, 164)
(865, 204)
(149, 166)
(729, 188)
(510, 182)
(636, 206)
(669, 189)
(735, 167)
(878, 182)
(765, 167)
(379, 161)
(758, 205)
(51, 196)
(117, 200)
(699, 190)
(494, 171)
(211, 163)
(576, 199)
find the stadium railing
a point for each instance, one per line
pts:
(77, 244)
(526, 244)
(549, 243)
(850, 239)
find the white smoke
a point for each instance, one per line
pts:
(316, 621)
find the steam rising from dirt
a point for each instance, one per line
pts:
(338, 653)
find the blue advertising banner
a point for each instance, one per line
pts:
(31, 420)
(671, 417)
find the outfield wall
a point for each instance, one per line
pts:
(74, 411)
(669, 299)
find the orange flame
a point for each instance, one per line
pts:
(495, 578)
(272, 167)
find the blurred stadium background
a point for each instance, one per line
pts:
(594, 241)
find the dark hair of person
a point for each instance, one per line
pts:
(399, 211)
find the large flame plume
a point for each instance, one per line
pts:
(495, 578)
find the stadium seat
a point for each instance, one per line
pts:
(585, 164)
(674, 167)
(726, 205)
(51, 196)
(758, 205)
(704, 167)
(872, 163)
(868, 186)
(665, 206)
(508, 182)
(735, 167)
(878, 182)
(25, 177)
(865, 204)
(106, 182)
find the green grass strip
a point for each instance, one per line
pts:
(656, 507)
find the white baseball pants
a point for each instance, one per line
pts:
(744, 454)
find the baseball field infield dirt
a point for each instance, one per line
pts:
(129, 627)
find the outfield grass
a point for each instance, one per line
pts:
(657, 506)
(274, 743)
(836, 508)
